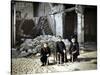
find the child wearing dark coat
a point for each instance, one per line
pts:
(61, 51)
(74, 50)
(45, 53)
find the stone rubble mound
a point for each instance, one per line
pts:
(34, 45)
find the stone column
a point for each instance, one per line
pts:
(54, 25)
(80, 26)
(59, 24)
(82, 16)
(58, 19)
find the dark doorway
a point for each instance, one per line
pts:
(70, 25)
(90, 24)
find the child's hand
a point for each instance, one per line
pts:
(73, 52)
(64, 51)
(47, 55)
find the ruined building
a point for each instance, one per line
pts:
(31, 19)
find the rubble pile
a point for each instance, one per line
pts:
(34, 45)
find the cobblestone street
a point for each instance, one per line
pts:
(31, 65)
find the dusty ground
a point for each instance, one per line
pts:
(31, 65)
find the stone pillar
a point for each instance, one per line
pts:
(59, 24)
(80, 26)
(58, 19)
(54, 25)
(82, 16)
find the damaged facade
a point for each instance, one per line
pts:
(32, 19)
(36, 23)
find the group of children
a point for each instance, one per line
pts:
(61, 52)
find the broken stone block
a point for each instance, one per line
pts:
(34, 45)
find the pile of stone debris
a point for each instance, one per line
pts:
(34, 45)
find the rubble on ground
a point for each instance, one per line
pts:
(34, 45)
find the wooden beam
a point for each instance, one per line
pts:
(64, 11)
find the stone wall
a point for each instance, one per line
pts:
(58, 18)
(25, 7)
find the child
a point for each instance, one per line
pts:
(61, 51)
(74, 50)
(45, 53)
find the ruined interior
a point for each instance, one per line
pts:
(90, 24)
(33, 22)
